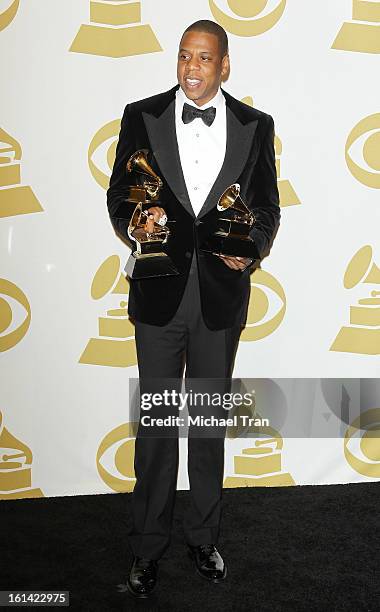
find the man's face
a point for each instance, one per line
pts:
(200, 67)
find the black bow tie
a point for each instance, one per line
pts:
(189, 113)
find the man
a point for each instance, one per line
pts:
(201, 140)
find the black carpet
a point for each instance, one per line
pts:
(287, 549)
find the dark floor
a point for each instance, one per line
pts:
(287, 549)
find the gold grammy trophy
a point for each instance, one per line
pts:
(149, 258)
(231, 236)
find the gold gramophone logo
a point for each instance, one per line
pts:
(15, 199)
(288, 196)
(15, 467)
(362, 443)
(115, 458)
(102, 151)
(247, 17)
(115, 345)
(363, 334)
(115, 30)
(7, 15)
(370, 127)
(10, 312)
(363, 32)
(261, 464)
(266, 308)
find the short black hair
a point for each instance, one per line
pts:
(210, 27)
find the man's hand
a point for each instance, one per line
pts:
(155, 214)
(236, 263)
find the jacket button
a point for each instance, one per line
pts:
(197, 222)
(188, 254)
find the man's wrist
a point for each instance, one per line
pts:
(249, 263)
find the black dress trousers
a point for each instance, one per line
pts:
(163, 352)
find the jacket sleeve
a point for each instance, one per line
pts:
(119, 209)
(265, 203)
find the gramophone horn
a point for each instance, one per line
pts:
(361, 268)
(228, 198)
(231, 199)
(138, 162)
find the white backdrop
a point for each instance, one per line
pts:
(66, 350)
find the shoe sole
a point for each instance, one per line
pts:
(139, 595)
(214, 580)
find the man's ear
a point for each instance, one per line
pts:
(225, 67)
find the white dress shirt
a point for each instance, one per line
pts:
(202, 148)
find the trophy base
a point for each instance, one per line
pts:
(356, 36)
(270, 480)
(149, 265)
(229, 245)
(357, 340)
(18, 200)
(233, 227)
(115, 42)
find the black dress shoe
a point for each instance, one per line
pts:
(208, 562)
(143, 577)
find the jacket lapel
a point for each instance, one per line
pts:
(162, 136)
(163, 139)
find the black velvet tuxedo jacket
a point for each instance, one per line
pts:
(249, 161)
